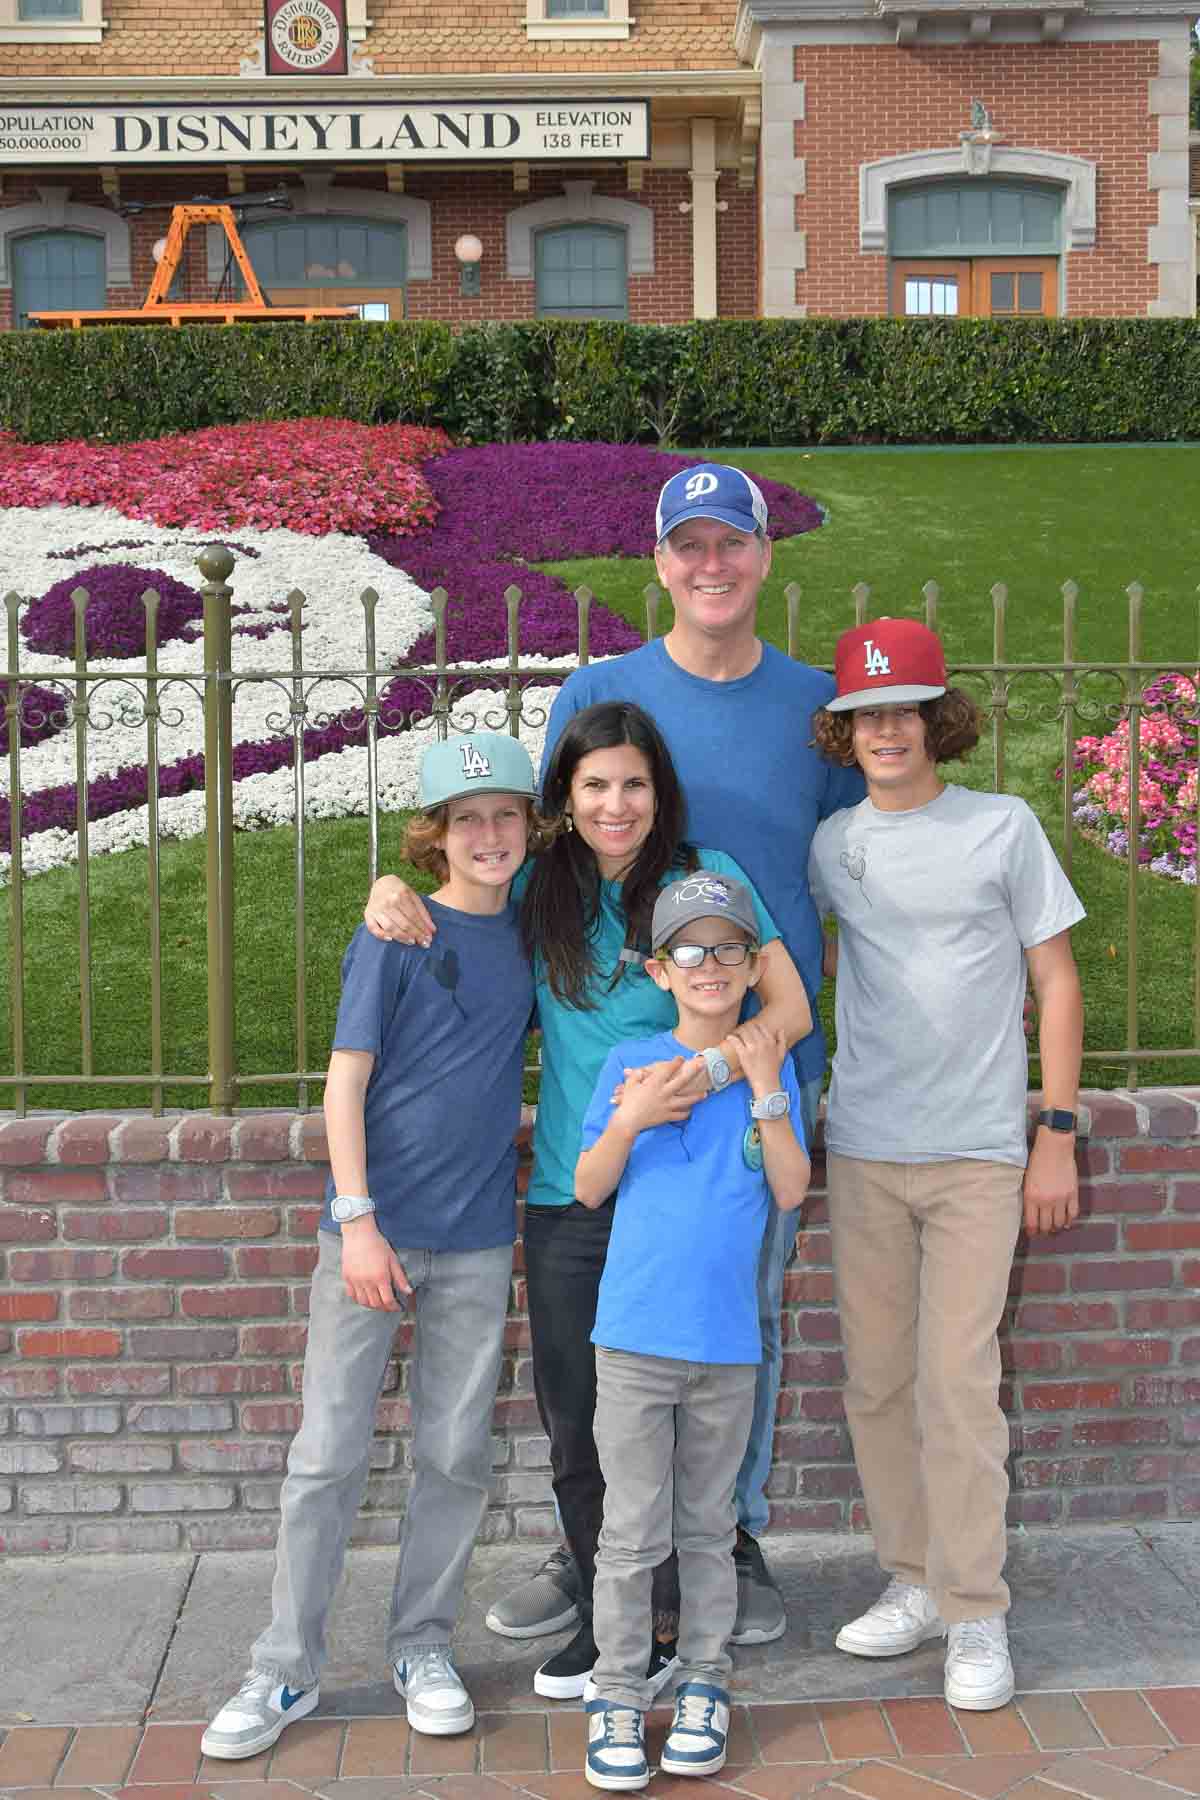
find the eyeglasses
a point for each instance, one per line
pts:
(691, 956)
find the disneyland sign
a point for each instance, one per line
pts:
(523, 131)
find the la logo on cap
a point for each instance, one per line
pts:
(877, 662)
(474, 763)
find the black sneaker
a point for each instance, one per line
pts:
(564, 1677)
(760, 1612)
(663, 1662)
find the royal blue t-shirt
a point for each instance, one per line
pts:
(755, 785)
(446, 1027)
(681, 1274)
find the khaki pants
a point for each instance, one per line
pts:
(922, 1253)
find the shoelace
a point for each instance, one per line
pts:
(621, 1726)
(900, 1596)
(975, 1635)
(431, 1667)
(695, 1713)
(254, 1686)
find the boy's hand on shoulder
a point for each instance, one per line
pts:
(663, 1094)
(761, 1052)
(371, 1270)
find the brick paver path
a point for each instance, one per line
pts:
(1114, 1744)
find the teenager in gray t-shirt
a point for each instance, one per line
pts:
(944, 899)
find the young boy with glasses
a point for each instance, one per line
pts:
(677, 1331)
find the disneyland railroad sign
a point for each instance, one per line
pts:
(305, 37)
(524, 130)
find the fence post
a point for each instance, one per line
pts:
(216, 565)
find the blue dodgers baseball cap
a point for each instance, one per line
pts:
(711, 491)
(479, 762)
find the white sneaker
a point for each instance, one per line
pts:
(259, 1712)
(438, 1703)
(979, 1671)
(903, 1617)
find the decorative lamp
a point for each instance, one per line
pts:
(469, 251)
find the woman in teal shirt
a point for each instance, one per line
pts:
(611, 789)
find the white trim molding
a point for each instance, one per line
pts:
(88, 28)
(54, 211)
(578, 205)
(1074, 173)
(576, 27)
(319, 196)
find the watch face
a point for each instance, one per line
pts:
(719, 1072)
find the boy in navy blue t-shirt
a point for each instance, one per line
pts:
(677, 1330)
(422, 1102)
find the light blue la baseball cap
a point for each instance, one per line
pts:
(478, 762)
(711, 491)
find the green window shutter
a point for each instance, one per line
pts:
(980, 217)
(580, 272)
(57, 271)
(328, 251)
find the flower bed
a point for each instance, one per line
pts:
(1167, 739)
(472, 521)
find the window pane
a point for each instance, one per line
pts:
(1003, 293)
(374, 309)
(1029, 293)
(935, 297)
(49, 9)
(576, 9)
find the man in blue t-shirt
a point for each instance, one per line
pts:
(737, 718)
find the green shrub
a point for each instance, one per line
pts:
(743, 381)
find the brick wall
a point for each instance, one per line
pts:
(153, 1288)
(1087, 100)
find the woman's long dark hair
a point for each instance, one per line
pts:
(562, 901)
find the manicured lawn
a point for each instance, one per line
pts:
(1103, 517)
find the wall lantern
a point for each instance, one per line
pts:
(158, 249)
(469, 251)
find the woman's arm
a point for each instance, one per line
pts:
(371, 1270)
(396, 911)
(662, 1098)
(784, 1001)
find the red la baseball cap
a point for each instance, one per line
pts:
(886, 663)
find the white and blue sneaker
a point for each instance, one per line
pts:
(616, 1752)
(696, 1741)
(260, 1710)
(438, 1703)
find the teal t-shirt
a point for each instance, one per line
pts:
(576, 1041)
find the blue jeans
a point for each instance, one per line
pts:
(778, 1243)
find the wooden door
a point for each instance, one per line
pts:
(931, 289)
(1015, 287)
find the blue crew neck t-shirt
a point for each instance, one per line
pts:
(576, 1040)
(446, 1027)
(754, 782)
(681, 1273)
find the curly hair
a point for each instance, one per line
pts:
(425, 834)
(953, 726)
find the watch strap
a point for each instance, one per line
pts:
(1056, 1118)
(768, 1107)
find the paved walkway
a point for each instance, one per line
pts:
(110, 1667)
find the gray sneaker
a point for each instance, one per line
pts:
(546, 1603)
(761, 1617)
(438, 1703)
(254, 1718)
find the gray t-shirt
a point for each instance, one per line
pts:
(935, 910)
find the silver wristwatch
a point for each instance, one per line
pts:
(719, 1072)
(348, 1207)
(772, 1106)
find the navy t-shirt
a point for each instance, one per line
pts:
(755, 784)
(446, 1027)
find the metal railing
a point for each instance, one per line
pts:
(1065, 692)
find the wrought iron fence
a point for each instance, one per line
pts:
(367, 702)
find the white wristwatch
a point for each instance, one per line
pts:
(348, 1207)
(719, 1072)
(772, 1106)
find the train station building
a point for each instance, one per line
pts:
(651, 160)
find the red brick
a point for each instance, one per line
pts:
(824, 1515)
(822, 1404)
(799, 1288)
(273, 1340)
(264, 1137)
(122, 1303)
(1112, 1117)
(26, 1227)
(1041, 1508)
(277, 1259)
(28, 1383)
(283, 1415)
(1099, 1277)
(131, 1227)
(293, 1181)
(1189, 1274)
(830, 1482)
(1122, 1197)
(183, 1343)
(1165, 1234)
(1098, 1353)
(1121, 1431)
(396, 1415)
(1066, 1472)
(1163, 1390)
(56, 1187)
(1124, 1503)
(1067, 1315)
(153, 1184)
(1101, 1396)
(313, 1142)
(23, 1141)
(1155, 1157)
(62, 1265)
(84, 1139)
(227, 1222)
(233, 1302)
(1171, 1115)
(303, 1221)
(202, 1138)
(143, 1141)
(18, 1308)
(231, 1378)
(813, 1366)
(142, 1383)
(172, 1265)
(1161, 1314)
(67, 1344)
(1186, 1195)
(1086, 1238)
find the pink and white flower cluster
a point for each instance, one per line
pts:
(1167, 781)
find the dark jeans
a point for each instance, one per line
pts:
(565, 1247)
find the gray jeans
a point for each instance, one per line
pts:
(670, 1436)
(459, 1303)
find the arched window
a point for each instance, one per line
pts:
(983, 246)
(330, 258)
(581, 272)
(56, 271)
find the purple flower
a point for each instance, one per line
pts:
(114, 618)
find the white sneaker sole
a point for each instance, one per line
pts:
(670, 1767)
(251, 1747)
(560, 1687)
(618, 1783)
(435, 1724)
(539, 1628)
(759, 1634)
(899, 1645)
(982, 1702)
(656, 1686)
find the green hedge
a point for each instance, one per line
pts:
(721, 381)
